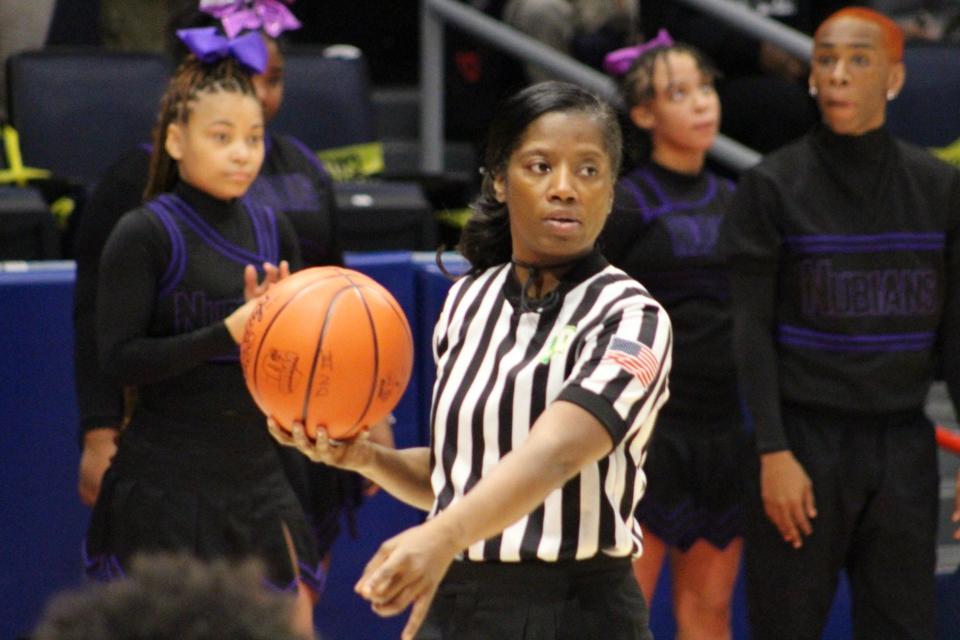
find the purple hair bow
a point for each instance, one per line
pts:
(209, 46)
(272, 16)
(618, 62)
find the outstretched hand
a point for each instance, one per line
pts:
(787, 496)
(272, 274)
(252, 290)
(407, 569)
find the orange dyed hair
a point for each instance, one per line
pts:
(892, 33)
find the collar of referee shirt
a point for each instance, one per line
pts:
(560, 270)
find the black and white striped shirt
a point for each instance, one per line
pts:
(604, 345)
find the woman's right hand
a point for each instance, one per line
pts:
(353, 454)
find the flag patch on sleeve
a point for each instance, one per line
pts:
(635, 357)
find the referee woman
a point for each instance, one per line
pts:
(551, 368)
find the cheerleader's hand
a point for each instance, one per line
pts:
(351, 454)
(236, 322)
(272, 274)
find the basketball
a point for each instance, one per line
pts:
(327, 346)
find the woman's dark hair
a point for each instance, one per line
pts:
(637, 88)
(190, 80)
(485, 240)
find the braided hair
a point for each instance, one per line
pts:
(637, 89)
(191, 79)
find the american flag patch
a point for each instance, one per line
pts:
(635, 357)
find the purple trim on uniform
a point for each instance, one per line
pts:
(209, 235)
(682, 526)
(313, 577)
(265, 228)
(178, 264)
(101, 567)
(667, 205)
(259, 230)
(874, 243)
(274, 249)
(311, 156)
(800, 337)
(265, 219)
(632, 187)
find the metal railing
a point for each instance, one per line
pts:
(742, 18)
(434, 13)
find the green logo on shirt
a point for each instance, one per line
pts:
(558, 343)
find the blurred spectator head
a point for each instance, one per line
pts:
(172, 597)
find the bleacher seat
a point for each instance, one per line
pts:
(382, 216)
(927, 111)
(27, 229)
(326, 101)
(78, 110)
(327, 104)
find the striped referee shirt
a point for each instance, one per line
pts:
(603, 344)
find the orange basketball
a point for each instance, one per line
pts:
(327, 346)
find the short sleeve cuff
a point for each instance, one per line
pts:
(599, 408)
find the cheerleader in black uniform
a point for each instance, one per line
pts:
(551, 368)
(292, 180)
(663, 232)
(195, 470)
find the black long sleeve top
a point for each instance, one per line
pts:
(291, 181)
(166, 284)
(845, 256)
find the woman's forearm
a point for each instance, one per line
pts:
(403, 473)
(564, 440)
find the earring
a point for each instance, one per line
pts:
(812, 91)
(891, 94)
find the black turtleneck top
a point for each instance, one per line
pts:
(291, 181)
(171, 272)
(845, 259)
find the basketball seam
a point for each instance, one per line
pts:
(308, 390)
(376, 348)
(255, 391)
